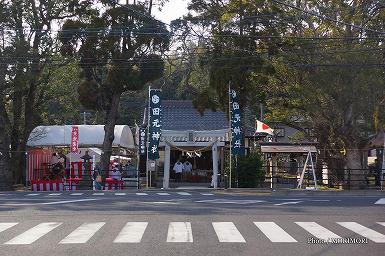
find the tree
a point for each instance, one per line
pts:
(59, 103)
(235, 48)
(27, 48)
(119, 49)
(332, 76)
(319, 62)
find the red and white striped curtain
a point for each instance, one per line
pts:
(37, 163)
(77, 170)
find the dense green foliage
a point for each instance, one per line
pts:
(249, 172)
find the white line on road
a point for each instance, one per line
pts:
(317, 230)
(161, 202)
(183, 193)
(32, 194)
(285, 203)
(227, 232)
(141, 194)
(163, 194)
(77, 194)
(274, 232)
(207, 194)
(380, 201)
(6, 225)
(120, 194)
(55, 194)
(132, 232)
(98, 194)
(33, 234)
(56, 202)
(179, 232)
(381, 223)
(226, 201)
(83, 233)
(364, 231)
(290, 199)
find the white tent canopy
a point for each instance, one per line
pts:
(76, 157)
(89, 136)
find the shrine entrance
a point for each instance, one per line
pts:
(204, 150)
(198, 167)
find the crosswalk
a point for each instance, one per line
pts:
(183, 232)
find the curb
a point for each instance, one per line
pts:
(330, 193)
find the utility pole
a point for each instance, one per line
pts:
(150, 7)
(85, 114)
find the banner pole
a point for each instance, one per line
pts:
(137, 158)
(382, 166)
(148, 129)
(70, 144)
(230, 134)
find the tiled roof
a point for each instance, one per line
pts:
(181, 115)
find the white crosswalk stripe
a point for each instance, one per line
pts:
(120, 194)
(179, 232)
(55, 194)
(98, 194)
(6, 225)
(131, 233)
(227, 232)
(77, 194)
(83, 233)
(274, 232)
(33, 234)
(364, 231)
(381, 223)
(183, 193)
(163, 194)
(32, 194)
(141, 194)
(317, 230)
(380, 201)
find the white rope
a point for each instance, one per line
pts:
(191, 151)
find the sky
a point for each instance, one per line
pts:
(172, 10)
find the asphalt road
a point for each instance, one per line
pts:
(189, 223)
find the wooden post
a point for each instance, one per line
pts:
(148, 136)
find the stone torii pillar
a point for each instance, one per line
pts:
(166, 170)
(214, 149)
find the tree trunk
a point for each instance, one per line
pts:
(5, 172)
(29, 119)
(109, 128)
(355, 174)
(17, 129)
